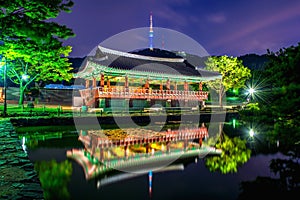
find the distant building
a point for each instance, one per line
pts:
(66, 87)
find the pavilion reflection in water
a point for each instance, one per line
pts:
(110, 153)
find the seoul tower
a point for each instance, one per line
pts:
(151, 33)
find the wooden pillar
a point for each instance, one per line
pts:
(102, 80)
(186, 86)
(175, 86)
(200, 86)
(126, 151)
(101, 156)
(108, 82)
(147, 84)
(185, 144)
(168, 146)
(126, 84)
(147, 147)
(161, 86)
(94, 82)
(87, 83)
(168, 86)
(200, 141)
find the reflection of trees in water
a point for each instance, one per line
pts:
(277, 137)
(285, 137)
(54, 178)
(234, 154)
(286, 186)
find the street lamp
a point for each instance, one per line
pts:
(25, 77)
(251, 132)
(250, 93)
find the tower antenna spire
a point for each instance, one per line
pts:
(151, 33)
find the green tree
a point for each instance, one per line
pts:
(282, 70)
(234, 74)
(282, 111)
(31, 44)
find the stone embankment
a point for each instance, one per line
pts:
(93, 119)
(18, 179)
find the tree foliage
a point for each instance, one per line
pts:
(282, 69)
(283, 66)
(31, 44)
(234, 74)
(285, 84)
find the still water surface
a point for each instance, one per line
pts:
(189, 178)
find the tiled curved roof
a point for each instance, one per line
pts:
(157, 65)
(156, 61)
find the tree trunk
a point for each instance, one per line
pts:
(221, 95)
(221, 132)
(220, 99)
(21, 98)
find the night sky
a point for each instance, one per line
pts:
(231, 27)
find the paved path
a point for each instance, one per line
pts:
(18, 179)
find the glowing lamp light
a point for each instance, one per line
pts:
(251, 133)
(25, 77)
(251, 91)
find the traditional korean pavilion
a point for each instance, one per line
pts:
(142, 78)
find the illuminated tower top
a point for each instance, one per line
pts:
(151, 33)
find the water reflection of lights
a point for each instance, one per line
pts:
(254, 136)
(252, 132)
(139, 152)
(256, 130)
(233, 123)
(150, 183)
(133, 152)
(24, 144)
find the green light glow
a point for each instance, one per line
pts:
(235, 91)
(251, 132)
(233, 123)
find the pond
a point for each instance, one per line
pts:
(157, 162)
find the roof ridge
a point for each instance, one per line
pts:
(136, 56)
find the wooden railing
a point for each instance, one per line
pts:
(138, 93)
(165, 136)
